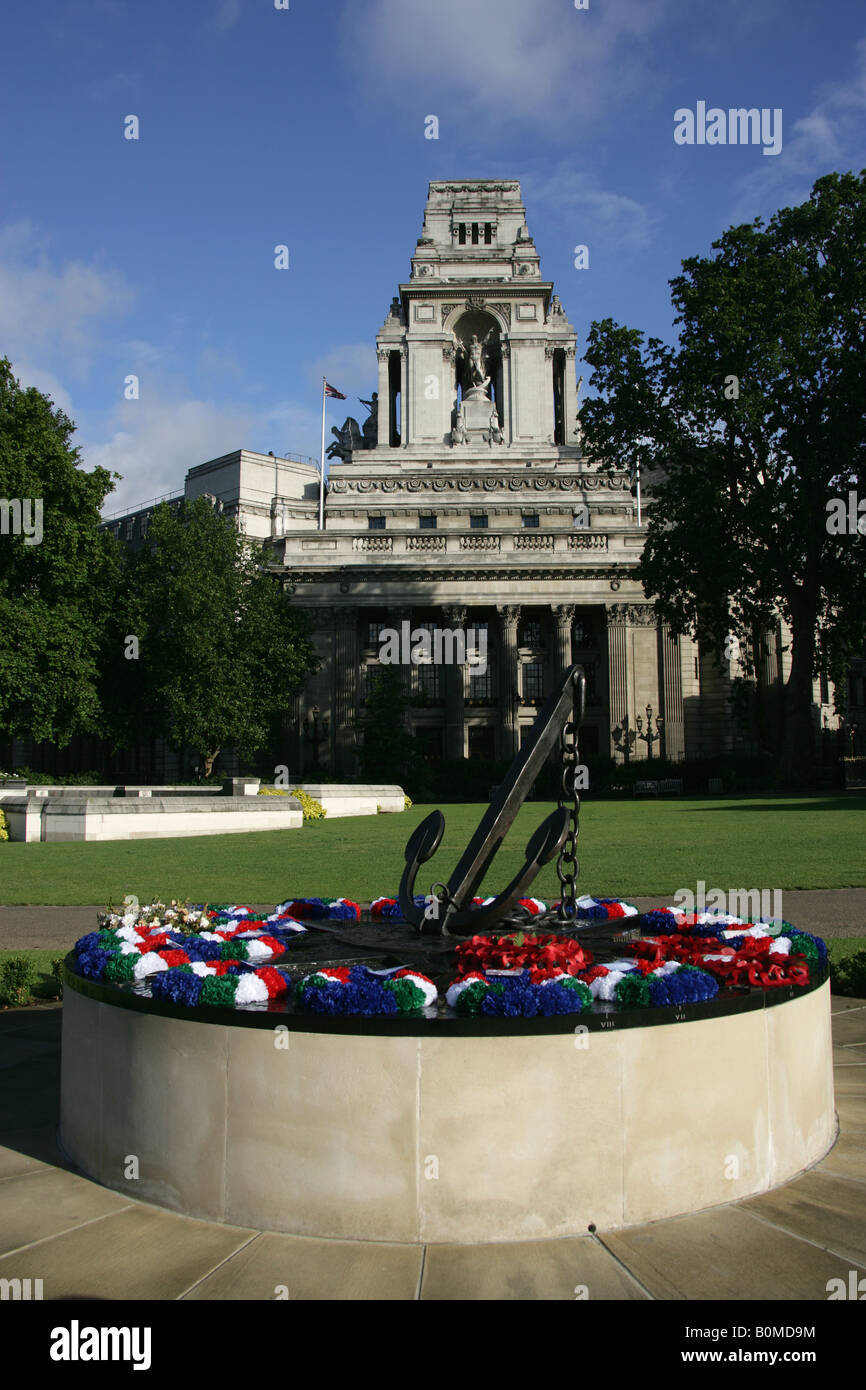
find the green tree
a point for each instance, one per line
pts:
(220, 648)
(747, 430)
(55, 591)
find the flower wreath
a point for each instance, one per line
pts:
(524, 994)
(763, 955)
(602, 909)
(358, 990)
(210, 967)
(322, 909)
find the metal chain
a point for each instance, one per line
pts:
(568, 865)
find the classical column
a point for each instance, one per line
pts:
(397, 617)
(673, 732)
(455, 617)
(548, 411)
(618, 682)
(404, 397)
(563, 614)
(507, 424)
(384, 417)
(346, 689)
(569, 398)
(509, 676)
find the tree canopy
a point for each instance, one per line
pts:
(57, 582)
(220, 650)
(747, 430)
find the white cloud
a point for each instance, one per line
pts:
(53, 309)
(831, 136)
(154, 441)
(542, 61)
(570, 198)
(228, 12)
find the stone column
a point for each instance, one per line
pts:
(563, 614)
(509, 676)
(397, 617)
(454, 676)
(673, 732)
(404, 397)
(569, 397)
(507, 424)
(618, 673)
(548, 411)
(346, 690)
(383, 438)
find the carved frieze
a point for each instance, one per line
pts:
(515, 483)
(632, 614)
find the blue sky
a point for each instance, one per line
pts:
(306, 127)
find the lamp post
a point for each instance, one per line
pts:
(649, 737)
(315, 735)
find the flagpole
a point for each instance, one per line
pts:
(322, 466)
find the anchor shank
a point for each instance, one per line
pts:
(512, 792)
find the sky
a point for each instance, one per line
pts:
(304, 126)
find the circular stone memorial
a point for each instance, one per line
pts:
(442, 1068)
(437, 1124)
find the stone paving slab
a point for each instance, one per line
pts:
(727, 1254)
(301, 1268)
(546, 1270)
(140, 1252)
(821, 1207)
(847, 1159)
(38, 1204)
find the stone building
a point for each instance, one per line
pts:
(464, 502)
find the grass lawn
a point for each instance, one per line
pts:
(626, 849)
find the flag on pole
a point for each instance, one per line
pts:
(332, 391)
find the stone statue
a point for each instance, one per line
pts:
(495, 432)
(556, 310)
(371, 424)
(474, 360)
(458, 434)
(347, 440)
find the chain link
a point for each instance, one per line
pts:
(568, 864)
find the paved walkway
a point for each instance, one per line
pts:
(830, 912)
(84, 1241)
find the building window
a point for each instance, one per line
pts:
(481, 687)
(825, 689)
(375, 523)
(533, 683)
(373, 631)
(530, 518)
(427, 523)
(461, 234)
(478, 522)
(474, 233)
(532, 634)
(430, 681)
(488, 233)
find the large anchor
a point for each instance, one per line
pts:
(452, 914)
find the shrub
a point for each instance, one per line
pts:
(312, 809)
(4, 827)
(407, 803)
(17, 975)
(848, 975)
(274, 791)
